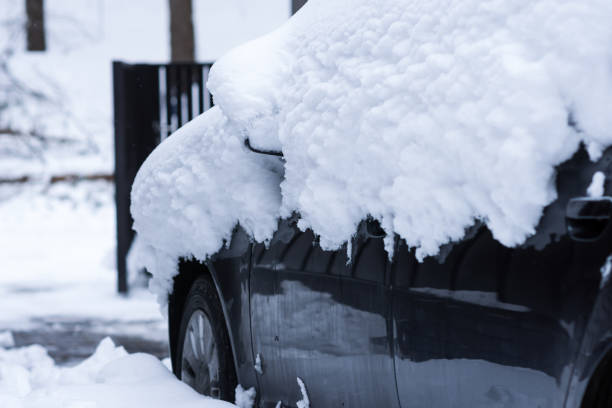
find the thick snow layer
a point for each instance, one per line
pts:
(426, 115)
(110, 378)
(191, 191)
(57, 260)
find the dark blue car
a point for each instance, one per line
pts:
(478, 325)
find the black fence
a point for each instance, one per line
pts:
(150, 102)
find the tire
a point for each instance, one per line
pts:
(599, 391)
(206, 366)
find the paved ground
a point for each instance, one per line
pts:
(70, 341)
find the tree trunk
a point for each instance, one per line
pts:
(181, 31)
(35, 25)
(296, 5)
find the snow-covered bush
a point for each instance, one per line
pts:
(424, 114)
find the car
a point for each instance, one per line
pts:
(478, 325)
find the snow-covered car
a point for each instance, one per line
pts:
(437, 231)
(480, 324)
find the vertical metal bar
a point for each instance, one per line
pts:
(168, 100)
(121, 190)
(210, 97)
(163, 106)
(189, 91)
(200, 89)
(179, 95)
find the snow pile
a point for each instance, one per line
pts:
(57, 260)
(596, 188)
(245, 398)
(426, 115)
(109, 378)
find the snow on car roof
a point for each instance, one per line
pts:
(426, 115)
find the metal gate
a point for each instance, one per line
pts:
(150, 102)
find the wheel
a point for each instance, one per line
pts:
(204, 356)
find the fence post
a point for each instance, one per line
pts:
(136, 117)
(119, 104)
(138, 98)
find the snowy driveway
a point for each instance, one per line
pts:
(58, 303)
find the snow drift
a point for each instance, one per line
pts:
(426, 115)
(110, 378)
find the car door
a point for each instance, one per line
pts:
(314, 318)
(494, 326)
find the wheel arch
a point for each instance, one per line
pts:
(600, 382)
(594, 362)
(189, 271)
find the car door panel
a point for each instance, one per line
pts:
(506, 330)
(312, 319)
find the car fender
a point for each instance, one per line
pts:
(596, 343)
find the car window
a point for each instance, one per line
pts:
(403, 265)
(319, 261)
(297, 250)
(340, 263)
(370, 261)
(482, 265)
(269, 256)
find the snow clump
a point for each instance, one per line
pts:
(110, 378)
(424, 114)
(245, 398)
(596, 188)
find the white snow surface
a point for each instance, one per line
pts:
(596, 188)
(305, 401)
(57, 262)
(424, 114)
(7, 339)
(245, 398)
(110, 378)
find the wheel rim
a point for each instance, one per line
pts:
(200, 359)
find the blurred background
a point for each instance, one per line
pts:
(58, 174)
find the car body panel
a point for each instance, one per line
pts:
(478, 325)
(311, 319)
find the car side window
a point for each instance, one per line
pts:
(340, 264)
(403, 265)
(319, 261)
(297, 250)
(370, 260)
(482, 265)
(269, 256)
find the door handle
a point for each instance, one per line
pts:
(586, 218)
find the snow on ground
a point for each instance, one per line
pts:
(57, 242)
(110, 378)
(57, 256)
(57, 287)
(426, 115)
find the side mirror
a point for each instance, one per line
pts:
(586, 218)
(247, 143)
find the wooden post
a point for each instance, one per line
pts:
(35, 26)
(182, 44)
